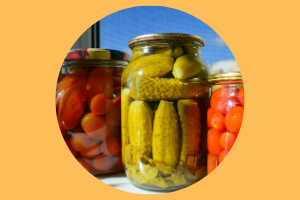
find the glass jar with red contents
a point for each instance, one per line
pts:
(88, 107)
(224, 115)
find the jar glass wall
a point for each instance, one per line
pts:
(88, 106)
(164, 103)
(224, 116)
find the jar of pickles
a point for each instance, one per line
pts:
(164, 102)
(224, 116)
(88, 107)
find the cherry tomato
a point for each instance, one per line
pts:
(103, 163)
(213, 141)
(72, 105)
(113, 116)
(234, 118)
(94, 126)
(96, 82)
(92, 150)
(109, 83)
(80, 141)
(63, 131)
(210, 112)
(111, 146)
(218, 121)
(65, 83)
(212, 162)
(73, 151)
(99, 104)
(85, 163)
(241, 96)
(223, 99)
(74, 55)
(227, 140)
(222, 155)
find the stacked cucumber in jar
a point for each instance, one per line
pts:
(164, 101)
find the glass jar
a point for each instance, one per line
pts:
(88, 107)
(224, 116)
(164, 102)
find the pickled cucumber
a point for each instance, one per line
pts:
(187, 66)
(155, 89)
(140, 127)
(174, 52)
(166, 136)
(190, 128)
(155, 65)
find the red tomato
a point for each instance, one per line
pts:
(227, 140)
(223, 99)
(109, 83)
(241, 96)
(111, 146)
(213, 141)
(96, 82)
(85, 163)
(234, 118)
(113, 116)
(222, 155)
(92, 151)
(63, 131)
(65, 83)
(99, 104)
(94, 126)
(218, 121)
(80, 141)
(73, 151)
(103, 163)
(210, 112)
(72, 105)
(212, 162)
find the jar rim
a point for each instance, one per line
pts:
(157, 37)
(98, 62)
(96, 54)
(229, 76)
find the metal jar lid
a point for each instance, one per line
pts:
(166, 37)
(231, 76)
(96, 54)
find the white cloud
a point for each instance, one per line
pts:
(218, 41)
(224, 66)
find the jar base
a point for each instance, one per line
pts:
(158, 189)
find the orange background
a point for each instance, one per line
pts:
(35, 38)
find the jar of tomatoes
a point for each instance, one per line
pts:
(164, 102)
(88, 107)
(224, 116)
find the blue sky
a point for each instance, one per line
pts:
(120, 27)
